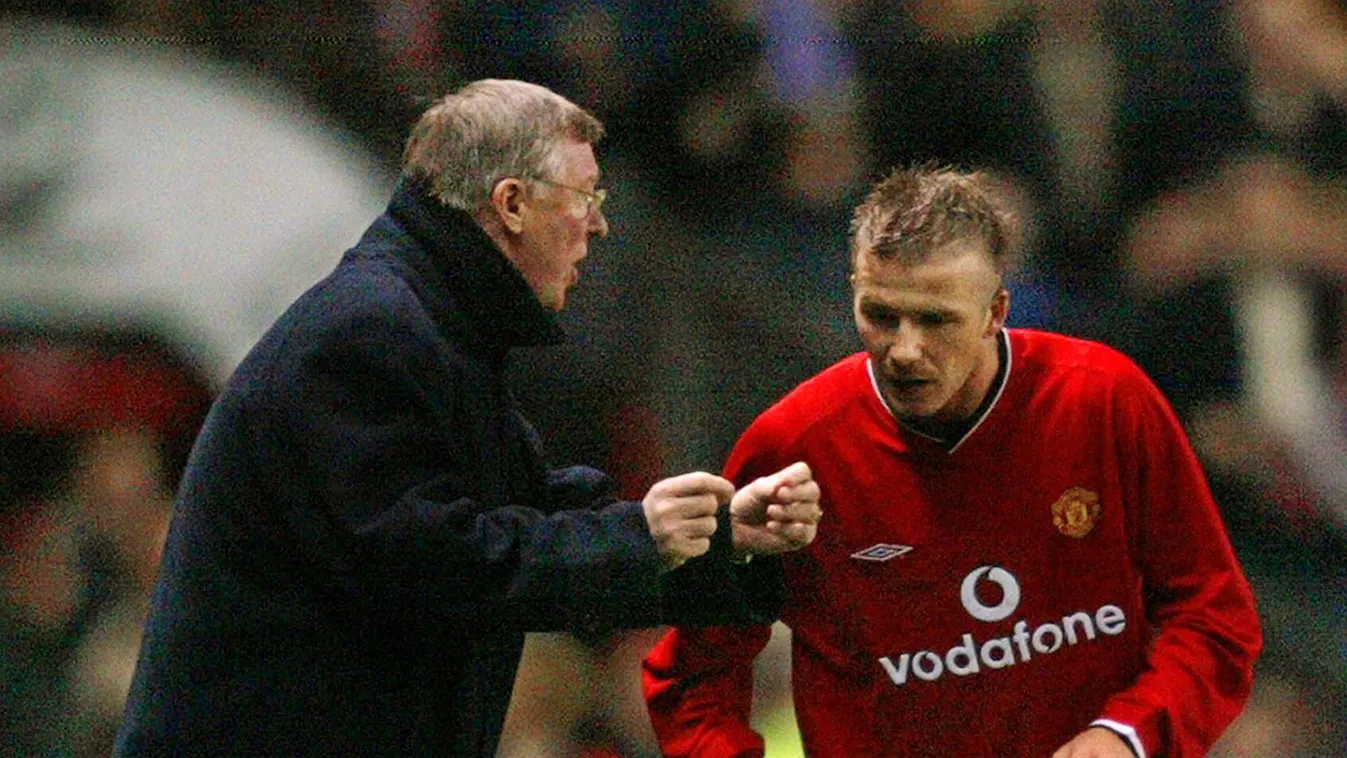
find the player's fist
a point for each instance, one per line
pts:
(776, 513)
(681, 513)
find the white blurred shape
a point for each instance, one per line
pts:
(141, 184)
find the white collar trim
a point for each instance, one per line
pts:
(996, 398)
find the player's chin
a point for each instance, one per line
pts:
(920, 410)
(914, 399)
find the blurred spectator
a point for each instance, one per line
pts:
(577, 697)
(1093, 107)
(1295, 77)
(1285, 718)
(365, 65)
(1249, 268)
(810, 68)
(120, 491)
(92, 428)
(711, 126)
(41, 583)
(1267, 235)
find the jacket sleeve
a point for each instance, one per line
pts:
(698, 682)
(392, 502)
(1206, 635)
(704, 591)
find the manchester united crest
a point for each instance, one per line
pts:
(1076, 512)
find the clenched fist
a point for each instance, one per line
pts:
(776, 513)
(681, 513)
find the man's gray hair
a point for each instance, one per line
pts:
(492, 129)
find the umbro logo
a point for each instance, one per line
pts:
(882, 552)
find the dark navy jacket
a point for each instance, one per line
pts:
(366, 526)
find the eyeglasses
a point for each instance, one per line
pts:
(593, 200)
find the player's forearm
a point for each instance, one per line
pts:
(698, 686)
(1197, 680)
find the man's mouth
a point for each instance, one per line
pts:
(909, 385)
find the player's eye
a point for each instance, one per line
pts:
(881, 317)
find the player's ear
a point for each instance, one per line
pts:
(507, 201)
(1000, 309)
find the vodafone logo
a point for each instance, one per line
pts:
(1010, 593)
(990, 594)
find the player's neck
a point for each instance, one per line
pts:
(980, 391)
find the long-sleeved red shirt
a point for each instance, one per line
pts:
(1062, 564)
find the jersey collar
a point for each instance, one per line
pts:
(975, 421)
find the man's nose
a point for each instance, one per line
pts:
(598, 224)
(905, 347)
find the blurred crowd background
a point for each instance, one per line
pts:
(173, 172)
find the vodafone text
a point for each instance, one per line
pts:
(970, 657)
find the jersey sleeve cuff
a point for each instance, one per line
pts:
(1128, 734)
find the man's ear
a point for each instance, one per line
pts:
(507, 199)
(1000, 310)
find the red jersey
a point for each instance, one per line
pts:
(1061, 564)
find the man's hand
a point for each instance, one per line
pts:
(1095, 742)
(681, 513)
(776, 513)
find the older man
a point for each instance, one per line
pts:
(366, 527)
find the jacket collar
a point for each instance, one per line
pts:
(495, 303)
